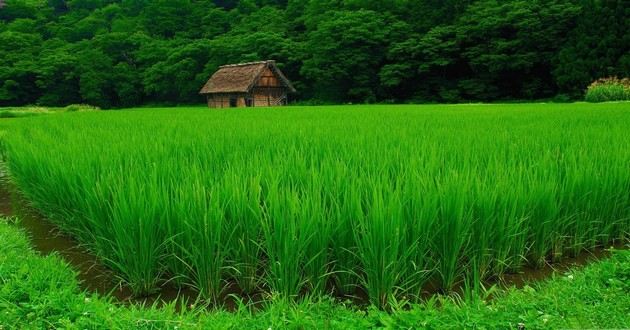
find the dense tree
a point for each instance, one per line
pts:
(116, 53)
(175, 77)
(57, 76)
(599, 46)
(509, 46)
(494, 50)
(17, 69)
(343, 55)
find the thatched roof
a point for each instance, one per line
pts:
(241, 78)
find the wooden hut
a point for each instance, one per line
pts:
(255, 84)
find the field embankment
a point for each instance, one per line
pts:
(375, 200)
(32, 111)
(42, 292)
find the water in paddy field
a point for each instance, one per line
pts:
(46, 239)
(94, 277)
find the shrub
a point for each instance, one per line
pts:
(609, 89)
(81, 107)
(27, 111)
(7, 114)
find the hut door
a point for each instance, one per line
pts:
(233, 102)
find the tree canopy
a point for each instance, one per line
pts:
(118, 53)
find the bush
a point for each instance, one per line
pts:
(81, 107)
(27, 111)
(609, 89)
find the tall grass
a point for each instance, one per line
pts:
(608, 89)
(341, 200)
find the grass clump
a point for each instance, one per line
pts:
(32, 111)
(18, 112)
(80, 107)
(609, 89)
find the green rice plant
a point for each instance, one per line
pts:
(285, 241)
(244, 214)
(317, 223)
(136, 239)
(452, 236)
(507, 221)
(205, 235)
(421, 211)
(382, 251)
(544, 212)
(346, 210)
(311, 201)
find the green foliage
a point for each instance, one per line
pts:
(288, 201)
(16, 114)
(608, 89)
(42, 292)
(340, 55)
(123, 53)
(30, 111)
(593, 48)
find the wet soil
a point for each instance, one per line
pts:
(529, 275)
(92, 274)
(95, 277)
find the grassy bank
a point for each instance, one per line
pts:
(33, 111)
(42, 292)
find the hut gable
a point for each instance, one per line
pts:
(241, 78)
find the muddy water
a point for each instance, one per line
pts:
(94, 277)
(46, 239)
(528, 274)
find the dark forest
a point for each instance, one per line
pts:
(125, 53)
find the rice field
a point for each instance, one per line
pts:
(319, 200)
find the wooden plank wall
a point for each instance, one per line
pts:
(268, 79)
(265, 96)
(268, 90)
(220, 101)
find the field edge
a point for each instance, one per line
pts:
(43, 292)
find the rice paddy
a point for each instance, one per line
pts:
(384, 200)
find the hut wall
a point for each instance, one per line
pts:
(268, 79)
(269, 90)
(223, 100)
(260, 99)
(269, 96)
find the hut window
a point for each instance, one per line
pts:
(233, 102)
